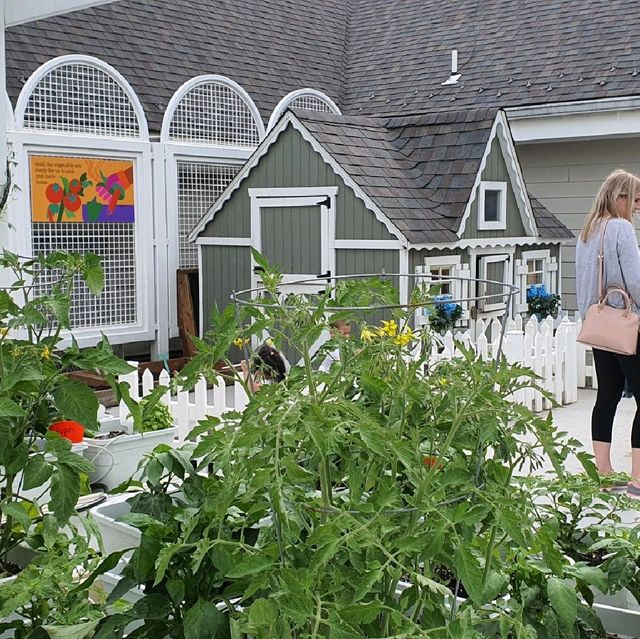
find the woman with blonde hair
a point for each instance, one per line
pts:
(611, 214)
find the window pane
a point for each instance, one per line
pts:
(495, 272)
(492, 206)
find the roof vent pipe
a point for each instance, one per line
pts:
(455, 76)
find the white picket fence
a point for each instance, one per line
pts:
(549, 348)
(187, 408)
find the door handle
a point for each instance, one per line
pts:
(326, 275)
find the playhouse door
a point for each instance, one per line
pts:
(294, 239)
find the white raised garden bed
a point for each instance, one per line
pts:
(116, 459)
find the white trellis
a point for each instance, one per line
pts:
(309, 99)
(80, 107)
(210, 128)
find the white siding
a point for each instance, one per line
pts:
(565, 177)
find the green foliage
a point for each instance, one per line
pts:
(35, 390)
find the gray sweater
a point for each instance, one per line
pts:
(621, 265)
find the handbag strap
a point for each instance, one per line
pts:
(601, 291)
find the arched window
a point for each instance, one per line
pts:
(213, 110)
(80, 94)
(308, 99)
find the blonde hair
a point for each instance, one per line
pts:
(618, 183)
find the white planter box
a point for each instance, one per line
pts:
(115, 535)
(116, 460)
(617, 621)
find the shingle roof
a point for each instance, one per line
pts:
(510, 53)
(549, 226)
(419, 170)
(370, 56)
(269, 47)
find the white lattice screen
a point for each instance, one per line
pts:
(199, 186)
(116, 244)
(310, 103)
(214, 113)
(81, 98)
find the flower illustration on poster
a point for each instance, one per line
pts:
(77, 190)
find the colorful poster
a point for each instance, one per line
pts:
(71, 189)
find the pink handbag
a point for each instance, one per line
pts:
(607, 328)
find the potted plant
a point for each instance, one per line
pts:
(117, 453)
(541, 302)
(34, 390)
(313, 513)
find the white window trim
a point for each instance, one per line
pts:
(501, 223)
(483, 304)
(539, 255)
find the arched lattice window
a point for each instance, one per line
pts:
(87, 97)
(213, 110)
(80, 94)
(308, 99)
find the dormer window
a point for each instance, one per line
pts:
(492, 206)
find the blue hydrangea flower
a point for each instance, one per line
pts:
(537, 291)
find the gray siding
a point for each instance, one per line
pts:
(292, 162)
(224, 269)
(495, 170)
(565, 177)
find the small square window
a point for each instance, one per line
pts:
(492, 206)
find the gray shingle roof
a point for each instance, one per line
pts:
(269, 47)
(549, 226)
(419, 170)
(510, 53)
(370, 56)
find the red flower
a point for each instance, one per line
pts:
(430, 461)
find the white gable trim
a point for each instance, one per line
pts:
(272, 136)
(290, 97)
(492, 242)
(500, 128)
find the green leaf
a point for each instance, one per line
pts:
(562, 598)
(593, 575)
(589, 467)
(59, 305)
(18, 513)
(362, 613)
(262, 614)
(620, 572)
(36, 472)
(152, 606)
(205, 621)
(250, 566)
(164, 558)
(470, 573)
(92, 273)
(9, 408)
(76, 631)
(176, 590)
(77, 401)
(551, 625)
(65, 490)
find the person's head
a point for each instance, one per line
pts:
(340, 327)
(268, 364)
(619, 196)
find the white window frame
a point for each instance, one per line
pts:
(501, 223)
(444, 261)
(484, 305)
(545, 256)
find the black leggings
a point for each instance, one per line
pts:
(611, 370)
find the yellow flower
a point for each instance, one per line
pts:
(239, 342)
(3, 331)
(46, 353)
(368, 335)
(404, 338)
(390, 327)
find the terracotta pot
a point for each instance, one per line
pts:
(73, 431)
